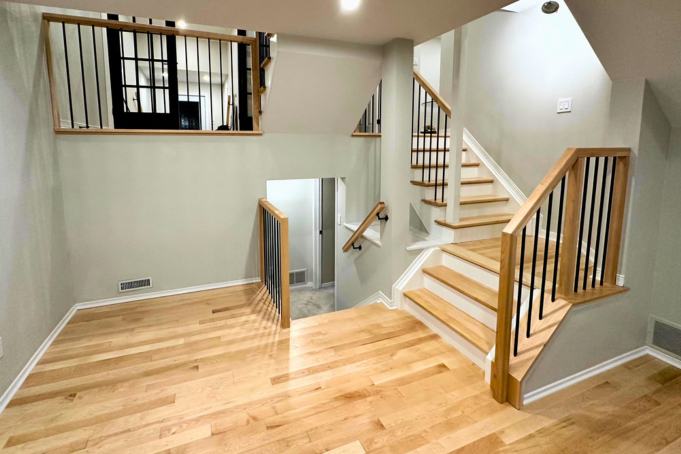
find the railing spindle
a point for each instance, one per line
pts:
(534, 270)
(380, 105)
(430, 141)
(444, 164)
(82, 78)
(546, 256)
(137, 70)
(608, 218)
(210, 86)
(198, 81)
(437, 153)
(99, 99)
(186, 67)
(68, 73)
(556, 258)
(163, 73)
(413, 96)
(222, 88)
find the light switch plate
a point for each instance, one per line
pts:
(564, 105)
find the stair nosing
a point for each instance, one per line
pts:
(504, 218)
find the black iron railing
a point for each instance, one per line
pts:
(274, 259)
(370, 121)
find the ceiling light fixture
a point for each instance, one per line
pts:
(181, 23)
(550, 7)
(206, 78)
(349, 6)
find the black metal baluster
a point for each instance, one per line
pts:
(82, 78)
(163, 73)
(609, 219)
(413, 97)
(520, 293)
(125, 76)
(222, 87)
(198, 77)
(546, 256)
(423, 148)
(277, 268)
(430, 141)
(152, 69)
(210, 87)
(380, 105)
(137, 70)
(186, 67)
(534, 269)
(265, 251)
(581, 225)
(418, 125)
(373, 113)
(594, 187)
(99, 99)
(600, 221)
(444, 165)
(558, 238)
(68, 74)
(234, 125)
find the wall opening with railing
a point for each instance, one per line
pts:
(130, 74)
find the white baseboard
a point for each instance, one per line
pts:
(28, 367)
(489, 162)
(547, 390)
(160, 294)
(377, 297)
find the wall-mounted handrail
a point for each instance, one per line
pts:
(274, 258)
(574, 219)
(145, 84)
(368, 220)
(444, 105)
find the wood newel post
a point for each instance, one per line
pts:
(619, 198)
(499, 381)
(568, 251)
(261, 240)
(285, 291)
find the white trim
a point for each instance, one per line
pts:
(370, 234)
(28, 367)
(377, 297)
(150, 295)
(496, 170)
(327, 284)
(412, 271)
(573, 379)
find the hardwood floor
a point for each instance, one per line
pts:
(211, 371)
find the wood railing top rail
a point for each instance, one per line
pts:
(139, 27)
(380, 206)
(444, 105)
(552, 178)
(274, 211)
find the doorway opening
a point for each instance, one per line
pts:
(312, 209)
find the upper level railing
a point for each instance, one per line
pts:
(366, 223)
(274, 258)
(431, 116)
(370, 123)
(563, 243)
(116, 76)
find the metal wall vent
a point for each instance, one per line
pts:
(135, 284)
(298, 277)
(666, 337)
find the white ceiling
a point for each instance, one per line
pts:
(376, 21)
(637, 39)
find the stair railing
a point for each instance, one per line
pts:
(430, 117)
(375, 213)
(274, 258)
(563, 243)
(370, 122)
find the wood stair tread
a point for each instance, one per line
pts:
(466, 326)
(435, 203)
(421, 166)
(472, 200)
(477, 180)
(477, 221)
(469, 287)
(470, 164)
(427, 184)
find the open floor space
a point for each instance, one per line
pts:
(212, 371)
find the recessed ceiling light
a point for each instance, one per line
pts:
(550, 7)
(181, 23)
(348, 6)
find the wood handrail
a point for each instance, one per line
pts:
(444, 105)
(552, 178)
(276, 212)
(380, 206)
(139, 27)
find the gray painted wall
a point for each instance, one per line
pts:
(35, 278)
(667, 291)
(516, 66)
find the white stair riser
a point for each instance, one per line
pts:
(429, 157)
(478, 233)
(468, 190)
(470, 172)
(480, 209)
(417, 174)
(461, 302)
(422, 142)
(478, 273)
(448, 335)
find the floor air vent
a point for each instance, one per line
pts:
(667, 337)
(135, 284)
(298, 277)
